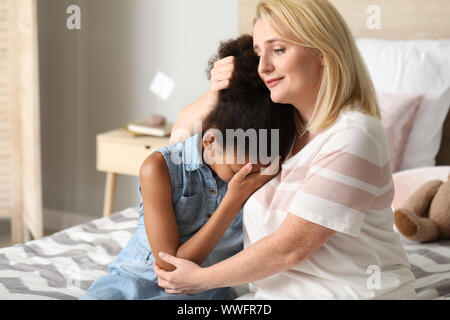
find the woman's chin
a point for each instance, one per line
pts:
(276, 98)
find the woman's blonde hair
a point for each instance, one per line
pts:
(317, 24)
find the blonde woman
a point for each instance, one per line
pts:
(322, 228)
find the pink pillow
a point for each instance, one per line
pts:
(408, 181)
(399, 113)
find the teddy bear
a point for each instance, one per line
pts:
(425, 216)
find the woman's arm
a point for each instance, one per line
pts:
(221, 76)
(159, 217)
(196, 111)
(294, 241)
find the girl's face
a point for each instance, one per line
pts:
(291, 72)
(227, 171)
(222, 166)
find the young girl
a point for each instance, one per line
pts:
(186, 207)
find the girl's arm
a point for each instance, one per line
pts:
(221, 76)
(240, 188)
(159, 216)
(294, 241)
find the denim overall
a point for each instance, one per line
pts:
(196, 195)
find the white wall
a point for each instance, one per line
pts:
(96, 79)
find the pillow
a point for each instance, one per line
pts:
(398, 115)
(408, 181)
(414, 67)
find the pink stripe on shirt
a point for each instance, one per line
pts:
(384, 201)
(356, 167)
(338, 192)
(273, 199)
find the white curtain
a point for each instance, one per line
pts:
(20, 164)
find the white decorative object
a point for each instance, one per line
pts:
(162, 86)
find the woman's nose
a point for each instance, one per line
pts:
(264, 66)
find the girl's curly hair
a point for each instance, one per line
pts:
(246, 104)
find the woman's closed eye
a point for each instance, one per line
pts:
(278, 51)
(275, 51)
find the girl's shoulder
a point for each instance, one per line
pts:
(184, 161)
(186, 154)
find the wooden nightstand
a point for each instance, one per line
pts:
(120, 153)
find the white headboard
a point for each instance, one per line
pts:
(399, 19)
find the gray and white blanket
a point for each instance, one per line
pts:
(64, 265)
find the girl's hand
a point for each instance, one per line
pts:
(221, 76)
(244, 183)
(188, 278)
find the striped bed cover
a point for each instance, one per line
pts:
(63, 265)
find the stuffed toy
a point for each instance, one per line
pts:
(425, 216)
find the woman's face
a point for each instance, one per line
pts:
(291, 72)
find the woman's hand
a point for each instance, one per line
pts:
(188, 278)
(221, 76)
(222, 73)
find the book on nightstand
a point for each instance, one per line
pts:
(143, 127)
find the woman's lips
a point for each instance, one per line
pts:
(273, 82)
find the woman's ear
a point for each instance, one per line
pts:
(322, 59)
(318, 55)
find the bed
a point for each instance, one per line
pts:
(63, 265)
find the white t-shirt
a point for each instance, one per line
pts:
(341, 180)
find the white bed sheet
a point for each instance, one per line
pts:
(64, 265)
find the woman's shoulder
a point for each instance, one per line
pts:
(354, 119)
(357, 126)
(352, 132)
(358, 134)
